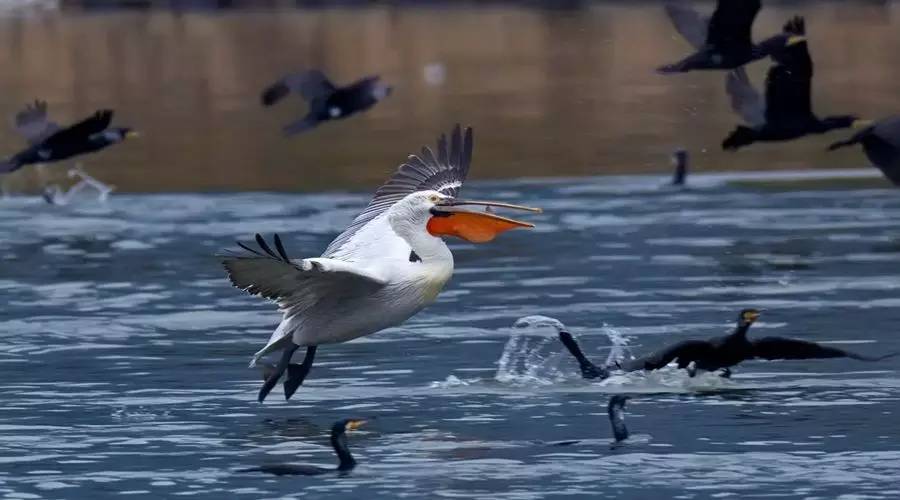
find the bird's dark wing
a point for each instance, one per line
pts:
(289, 470)
(445, 172)
(83, 130)
(745, 100)
(788, 84)
(684, 352)
(888, 130)
(688, 22)
(33, 123)
(731, 25)
(310, 85)
(783, 348)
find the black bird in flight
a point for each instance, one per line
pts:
(722, 41)
(786, 112)
(717, 353)
(338, 442)
(326, 100)
(881, 143)
(48, 142)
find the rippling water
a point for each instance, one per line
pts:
(124, 350)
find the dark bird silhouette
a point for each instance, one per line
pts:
(326, 100)
(787, 111)
(48, 142)
(680, 161)
(616, 411)
(717, 353)
(729, 350)
(338, 442)
(722, 41)
(881, 143)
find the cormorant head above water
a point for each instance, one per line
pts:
(346, 462)
(616, 411)
(680, 162)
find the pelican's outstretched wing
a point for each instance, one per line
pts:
(296, 285)
(444, 172)
(33, 123)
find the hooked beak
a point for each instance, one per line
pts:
(861, 123)
(475, 227)
(355, 424)
(132, 134)
(794, 40)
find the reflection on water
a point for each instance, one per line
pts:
(549, 92)
(123, 350)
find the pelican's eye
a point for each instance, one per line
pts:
(434, 198)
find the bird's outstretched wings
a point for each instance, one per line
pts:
(788, 84)
(731, 25)
(310, 85)
(684, 352)
(444, 172)
(745, 100)
(295, 285)
(33, 123)
(689, 23)
(784, 348)
(81, 131)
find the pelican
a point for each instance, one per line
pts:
(383, 269)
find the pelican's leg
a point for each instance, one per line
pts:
(692, 369)
(297, 373)
(282, 366)
(726, 373)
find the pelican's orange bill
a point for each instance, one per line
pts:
(475, 227)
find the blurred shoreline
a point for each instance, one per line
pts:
(550, 92)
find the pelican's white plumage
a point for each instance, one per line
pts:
(384, 268)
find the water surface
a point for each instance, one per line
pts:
(124, 350)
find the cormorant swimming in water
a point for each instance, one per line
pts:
(338, 442)
(722, 41)
(786, 112)
(680, 160)
(326, 100)
(48, 142)
(616, 411)
(881, 143)
(719, 352)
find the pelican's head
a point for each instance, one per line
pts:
(442, 215)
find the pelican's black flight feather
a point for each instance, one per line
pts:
(881, 143)
(786, 112)
(338, 442)
(723, 41)
(48, 142)
(327, 101)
